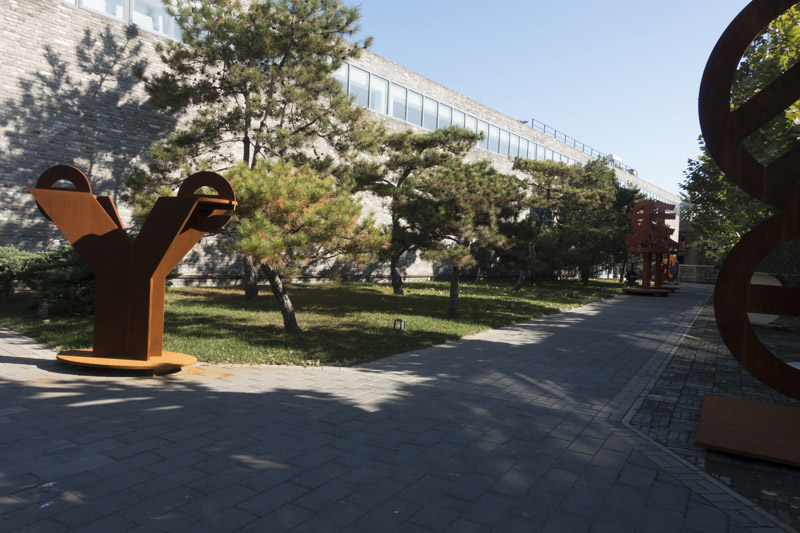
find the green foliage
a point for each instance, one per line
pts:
(578, 218)
(63, 279)
(719, 212)
(771, 54)
(292, 217)
(457, 208)
(13, 264)
(253, 83)
(409, 161)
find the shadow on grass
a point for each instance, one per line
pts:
(344, 324)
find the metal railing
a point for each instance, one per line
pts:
(585, 148)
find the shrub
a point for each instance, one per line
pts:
(13, 263)
(63, 279)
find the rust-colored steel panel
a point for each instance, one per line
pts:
(755, 429)
(131, 278)
(651, 236)
(775, 184)
(749, 428)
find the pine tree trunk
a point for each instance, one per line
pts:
(250, 277)
(284, 303)
(585, 276)
(523, 275)
(397, 280)
(452, 308)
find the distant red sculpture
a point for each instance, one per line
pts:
(752, 428)
(130, 277)
(651, 236)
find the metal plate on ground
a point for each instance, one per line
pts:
(754, 429)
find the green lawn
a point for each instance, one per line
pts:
(343, 323)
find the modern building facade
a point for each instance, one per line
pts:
(69, 97)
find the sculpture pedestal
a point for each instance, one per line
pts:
(167, 362)
(753, 429)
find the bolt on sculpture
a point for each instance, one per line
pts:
(751, 428)
(130, 277)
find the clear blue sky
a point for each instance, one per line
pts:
(621, 76)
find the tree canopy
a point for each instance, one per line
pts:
(719, 212)
(253, 82)
(289, 218)
(578, 219)
(409, 161)
(456, 209)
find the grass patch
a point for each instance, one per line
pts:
(344, 323)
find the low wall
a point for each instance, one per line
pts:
(697, 274)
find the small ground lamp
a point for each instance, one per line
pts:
(399, 325)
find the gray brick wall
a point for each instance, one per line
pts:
(69, 97)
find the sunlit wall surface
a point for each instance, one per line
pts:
(148, 15)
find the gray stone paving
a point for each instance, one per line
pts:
(526, 428)
(670, 410)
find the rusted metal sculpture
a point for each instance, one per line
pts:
(751, 428)
(651, 237)
(130, 277)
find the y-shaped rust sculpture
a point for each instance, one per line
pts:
(130, 278)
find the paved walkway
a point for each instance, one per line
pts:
(525, 428)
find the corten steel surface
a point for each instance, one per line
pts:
(775, 184)
(130, 278)
(651, 236)
(755, 429)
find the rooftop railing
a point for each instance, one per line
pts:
(585, 148)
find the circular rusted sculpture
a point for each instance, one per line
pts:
(775, 184)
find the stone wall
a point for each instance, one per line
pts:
(69, 97)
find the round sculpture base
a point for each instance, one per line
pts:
(168, 362)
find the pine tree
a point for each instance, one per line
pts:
(289, 218)
(457, 208)
(409, 161)
(254, 83)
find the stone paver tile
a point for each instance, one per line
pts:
(438, 514)
(284, 518)
(267, 501)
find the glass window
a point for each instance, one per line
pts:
(540, 152)
(527, 149)
(151, 15)
(109, 7)
(359, 85)
(503, 142)
(494, 138)
(445, 116)
(429, 113)
(397, 101)
(378, 94)
(340, 75)
(458, 118)
(548, 154)
(513, 147)
(483, 128)
(471, 123)
(415, 108)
